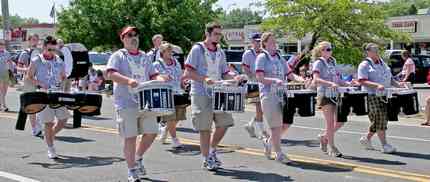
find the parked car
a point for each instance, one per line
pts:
(422, 64)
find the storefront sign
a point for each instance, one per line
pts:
(234, 35)
(408, 26)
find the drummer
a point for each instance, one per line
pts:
(167, 65)
(374, 75)
(205, 64)
(126, 68)
(248, 66)
(326, 76)
(47, 71)
(271, 69)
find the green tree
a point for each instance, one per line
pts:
(347, 24)
(17, 21)
(403, 7)
(237, 18)
(97, 22)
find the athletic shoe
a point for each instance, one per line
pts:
(282, 158)
(367, 144)
(214, 157)
(334, 152)
(210, 164)
(133, 177)
(388, 149)
(176, 143)
(51, 153)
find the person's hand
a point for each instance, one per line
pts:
(209, 81)
(165, 78)
(278, 82)
(132, 83)
(333, 85)
(239, 78)
(380, 87)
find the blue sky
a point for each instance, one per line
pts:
(40, 8)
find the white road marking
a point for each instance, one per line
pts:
(360, 133)
(16, 177)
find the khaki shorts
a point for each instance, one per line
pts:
(272, 110)
(131, 124)
(179, 115)
(48, 114)
(202, 115)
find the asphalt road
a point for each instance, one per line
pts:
(93, 153)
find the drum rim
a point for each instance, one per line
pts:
(43, 107)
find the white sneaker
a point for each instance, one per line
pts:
(267, 148)
(133, 177)
(388, 149)
(163, 134)
(260, 131)
(249, 127)
(140, 167)
(36, 132)
(176, 143)
(213, 156)
(367, 144)
(282, 158)
(51, 153)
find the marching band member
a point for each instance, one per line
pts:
(255, 127)
(206, 64)
(47, 71)
(271, 69)
(375, 75)
(126, 68)
(326, 76)
(169, 66)
(24, 60)
(154, 53)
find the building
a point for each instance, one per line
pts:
(19, 36)
(418, 26)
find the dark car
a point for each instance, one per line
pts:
(422, 65)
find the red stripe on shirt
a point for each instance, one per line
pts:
(316, 71)
(363, 79)
(259, 71)
(111, 70)
(151, 77)
(190, 66)
(243, 64)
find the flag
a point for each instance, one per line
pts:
(52, 13)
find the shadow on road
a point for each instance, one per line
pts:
(374, 161)
(319, 167)
(412, 155)
(151, 180)
(186, 150)
(251, 175)
(97, 118)
(307, 143)
(70, 139)
(65, 162)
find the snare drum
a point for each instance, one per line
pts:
(59, 99)
(227, 98)
(155, 97)
(408, 101)
(253, 90)
(33, 102)
(181, 98)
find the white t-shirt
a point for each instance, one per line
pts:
(409, 61)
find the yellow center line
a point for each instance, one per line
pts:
(298, 158)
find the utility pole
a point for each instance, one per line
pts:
(6, 21)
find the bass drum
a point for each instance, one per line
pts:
(88, 103)
(33, 102)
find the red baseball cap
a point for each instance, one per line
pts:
(126, 30)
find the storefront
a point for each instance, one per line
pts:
(418, 26)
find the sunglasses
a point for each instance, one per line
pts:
(51, 49)
(217, 33)
(328, 49)
(131, 34)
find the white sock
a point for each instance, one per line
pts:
(259, 125)
(138, 157)
(212, 150)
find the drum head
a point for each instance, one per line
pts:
(252, 94)
(34, 108)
